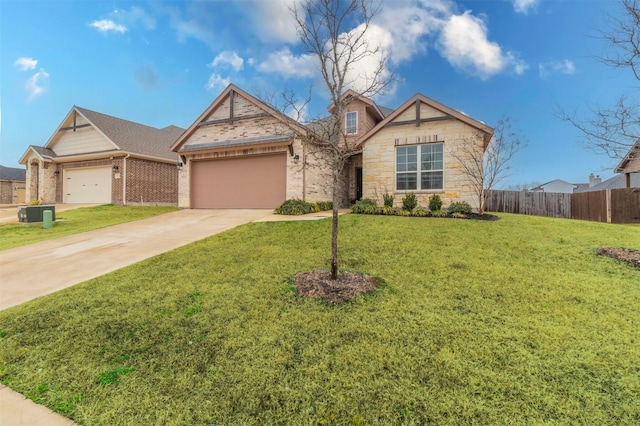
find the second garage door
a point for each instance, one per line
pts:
(87, 185)
(243, 182)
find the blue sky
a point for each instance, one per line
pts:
(161, 63)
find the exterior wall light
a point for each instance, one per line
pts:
(56, 173)
(179, 165)
(115, 168)
(296, 158)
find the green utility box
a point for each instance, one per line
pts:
(34, 213)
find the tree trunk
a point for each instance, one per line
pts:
(334, 225)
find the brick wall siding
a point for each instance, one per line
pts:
(151, 182)
(9, 191)
(147, 181)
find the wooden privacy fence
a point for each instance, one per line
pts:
(611, 205)
(534, 203)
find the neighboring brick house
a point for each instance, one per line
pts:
(12, 185)
(241, 153)
(97, 158)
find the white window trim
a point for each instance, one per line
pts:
(419, 171)
(346, 121)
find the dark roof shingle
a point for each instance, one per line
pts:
(134, 137)
(12, 173)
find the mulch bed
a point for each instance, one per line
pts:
(347, 286)
(625, 255)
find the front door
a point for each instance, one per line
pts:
(358, 183)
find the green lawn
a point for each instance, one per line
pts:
(517, 321)
(75, 221)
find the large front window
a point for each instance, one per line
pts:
(419, 167)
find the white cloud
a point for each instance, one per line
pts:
(34, 84)
(25, 64)
(217, 83)
(197, 25)
(404, 30)
(272, 19)
(524, 6)
(285, 63)
(107, 25)
(228, 58)
(464, 43)
(134, 15)
(556, 67)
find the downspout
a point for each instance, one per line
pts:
(304, 172)
(124, 180)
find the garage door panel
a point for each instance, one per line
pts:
(244, 182)
(87, 185)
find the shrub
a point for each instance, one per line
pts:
(409, 202)
(388, 200)
(419, 212)
(403, 213)
(439, 213)
(295, 207)
(365, 206)
(435, 203)
(34, 203)
(459, 207)
(458, 215)
(325, 205)
(387, 210)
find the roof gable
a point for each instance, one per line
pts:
(78, 135)
(372, 108)
(94, 132)
(222, 110)
(44, 154)
(414, 108)
(631, 162)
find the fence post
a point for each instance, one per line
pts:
(608, 197)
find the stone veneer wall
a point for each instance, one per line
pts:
(379, 160)
(40, 181)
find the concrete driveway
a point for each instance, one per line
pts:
(42, 268)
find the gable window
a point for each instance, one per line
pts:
(419, 167)
(351, 122)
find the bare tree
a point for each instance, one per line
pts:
(323, 33)
(487, 168)
(613, 130)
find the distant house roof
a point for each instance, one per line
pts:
(618, 181)
(556, 183)
(633, 153)
(12, 173)
(581, 187)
